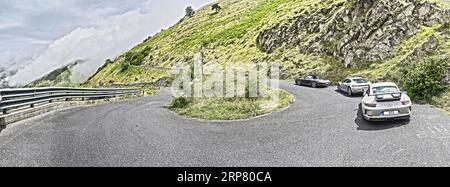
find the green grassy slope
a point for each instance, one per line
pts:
(231, 36)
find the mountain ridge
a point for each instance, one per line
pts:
(324, 41)
(60, 77)
(380, 40)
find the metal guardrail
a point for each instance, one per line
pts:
(29, 97)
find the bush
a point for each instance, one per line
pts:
(180, 102)
(136, 58)
(125, 67)
(423, 79)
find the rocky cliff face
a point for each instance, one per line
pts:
(356, 30)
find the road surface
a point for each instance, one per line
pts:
(323, 128)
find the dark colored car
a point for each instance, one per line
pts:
(313, 81)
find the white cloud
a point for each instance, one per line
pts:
(92, 43)
(55, 33)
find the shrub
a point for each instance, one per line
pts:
(423, 79)
(180, 102)
(125, 67)
(136, 58)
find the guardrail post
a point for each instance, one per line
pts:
(2, 118)
(2, 123)
(50, 101)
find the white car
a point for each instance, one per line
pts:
(384, 101)
(353, 85)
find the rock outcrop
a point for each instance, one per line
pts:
(356, 30)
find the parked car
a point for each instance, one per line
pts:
(383, 101)
(353, 85)
(313, 81)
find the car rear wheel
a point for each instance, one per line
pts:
(349, 91)
(314, 85)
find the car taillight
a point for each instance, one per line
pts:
(406, 102)
(371, 104)
(396, 95)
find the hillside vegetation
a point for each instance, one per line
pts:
(376, 39)
(230, 108)
(60, 77)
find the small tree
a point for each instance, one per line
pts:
(109, 61)
(189, 12)
(216, 7)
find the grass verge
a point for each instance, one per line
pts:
(229, 108)
(443, 101)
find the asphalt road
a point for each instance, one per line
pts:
(323, 128)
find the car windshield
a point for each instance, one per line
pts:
(385, 90)
(316, 77)
(360, 81)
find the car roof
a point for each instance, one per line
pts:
(384, 84)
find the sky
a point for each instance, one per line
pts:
(39, 36)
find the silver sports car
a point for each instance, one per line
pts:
(354, 85)
(383, 101)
